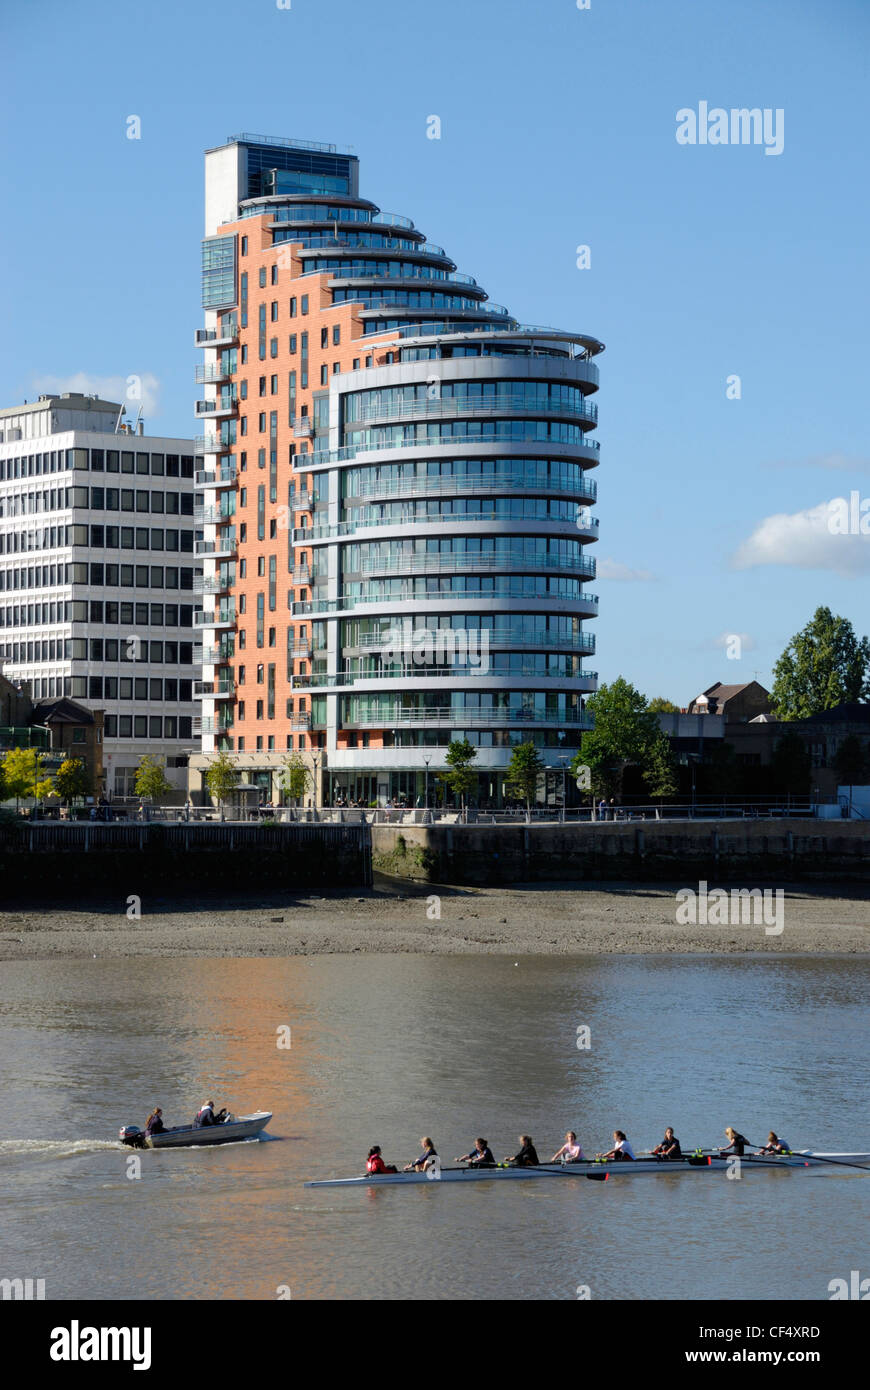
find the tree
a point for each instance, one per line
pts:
(151, 781)
(851, 763)
(659, 705)
(460, 777)
(790, 765)
(625, 731)
(295, 778)
(524, 769)
(23, 776)
(72, 780)
(824, 665)
(659, 772)
(220, 778)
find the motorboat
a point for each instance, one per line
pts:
(234, 1127)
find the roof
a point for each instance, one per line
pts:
(727, 692)
(61, 711)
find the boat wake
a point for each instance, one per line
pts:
(55, 1148)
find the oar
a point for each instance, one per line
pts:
(811, 1161)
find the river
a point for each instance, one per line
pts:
(385, 1049)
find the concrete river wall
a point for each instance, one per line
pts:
(82, 859)
(760, 851)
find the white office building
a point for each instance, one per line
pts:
(98, 575)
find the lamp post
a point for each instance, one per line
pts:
(563, 760)
(315, 758)
(426, 762)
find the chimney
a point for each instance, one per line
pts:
(141, 428)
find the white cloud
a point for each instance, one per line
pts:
(614, 569)
(805, 540)
(138, 388)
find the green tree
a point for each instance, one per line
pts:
(220, 778)
(659, 773)
(852, 763)
(523, 772)
(72, 781)
(659, 705)
(295, 778)
(24, 777)
(151, 781)
(790, 765)
(824, 665)
(626, 731)
(460, 777)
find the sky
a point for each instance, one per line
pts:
(729, 284)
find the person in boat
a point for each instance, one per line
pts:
(154, 1124)
(570, 1151)
(376, 1164)
(669, 1147)
(737, 1143)
(206, 1116)
(621, 1151)
(527, 1156)
(774, 1145)
(478, 1157)
(419, 1165)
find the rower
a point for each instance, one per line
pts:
(570, 1152)
(527, 1156)
(621, 1151)
(375, 1164)
(478, 1157)
(420, 1164)
(736, 1145)
(774, 1145)
(669, 1147)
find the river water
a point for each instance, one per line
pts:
(385, 1049)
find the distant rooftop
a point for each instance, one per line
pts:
(69, 400)
(316, 145)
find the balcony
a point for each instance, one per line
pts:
(585, 489)
(217, 656)
(302, 575)
(215, 478)
(479, 562)
(207, 725)
(210, 373)
(452, 408)
(224, 335)
(224, 545)
(322, 457)
(300, 721)
(216, 409)
(211, 585)
(582, 643)
(221, 617)
(300, 652)
(466, 719)
(209, 690)
(303, 427)
(212, 514)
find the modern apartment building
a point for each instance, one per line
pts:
(396, 494)
(97, 576)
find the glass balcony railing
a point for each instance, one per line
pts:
(351, 451)
(478, 561)
(451, 407)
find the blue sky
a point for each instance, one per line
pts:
(558, 130)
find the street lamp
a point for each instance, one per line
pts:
(315, 757)
(427, 761)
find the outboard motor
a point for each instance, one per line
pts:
(133, 1136)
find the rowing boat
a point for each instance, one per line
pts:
(800, 1162)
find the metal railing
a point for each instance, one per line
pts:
(586, 490)
(484, 560)
(321, 457)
